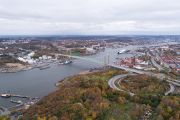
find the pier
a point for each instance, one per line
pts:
(19, 103)
(4, 95)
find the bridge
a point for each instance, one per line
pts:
(106, 63)
(82, 58)
(132, 70)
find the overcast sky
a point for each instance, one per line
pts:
(85, 17)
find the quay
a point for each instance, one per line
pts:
(20, 104)
(4, 95)
(20, 96)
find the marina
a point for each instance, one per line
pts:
(36, 82)
(23, 102)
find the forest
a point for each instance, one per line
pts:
(88, 97)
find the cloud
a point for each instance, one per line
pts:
(89, 16)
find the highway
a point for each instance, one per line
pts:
(118, 78)
(158, 56)
(112, 81)
(158, 75)
(171, 90)
(155, 64)
(82, 58)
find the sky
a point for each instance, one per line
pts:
(89, 17)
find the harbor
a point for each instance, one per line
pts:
(40, 82)
(36, 82)
(21, 102)
(6, 95)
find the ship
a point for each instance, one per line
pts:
(122, 51)
(17, 102)
(66, 62)
(44, 67)
(5, 95)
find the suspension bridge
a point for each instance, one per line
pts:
(106, 62)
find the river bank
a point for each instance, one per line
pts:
(90, 71)
(14, 67)
(43, 81)
(85, 96)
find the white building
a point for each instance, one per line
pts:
(90, 50)
(21, 59)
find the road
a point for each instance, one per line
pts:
(112, 81)
(158, 56)
(112, 84)
(155, 64)
(82, 58)
(158, 75)
(171, 90)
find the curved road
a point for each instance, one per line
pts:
(155, 64)
(112, 81)
(158, 75)
(112, 85)
(171, 90)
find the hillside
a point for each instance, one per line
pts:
(88, 97)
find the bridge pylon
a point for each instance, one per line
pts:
(106, 60)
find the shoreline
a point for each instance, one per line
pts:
(17, 67)
(24, 68)
(90, 71)
(14, 68)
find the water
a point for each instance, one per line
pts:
(38, 83)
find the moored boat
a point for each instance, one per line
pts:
(66, 62)
(5, 95)
(17, 102)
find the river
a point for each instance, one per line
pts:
(38, 83)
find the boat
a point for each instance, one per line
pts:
(44, 67)
(5, 95)
(17, 102)
(66, 62)
(122, 51)
(61, 63)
